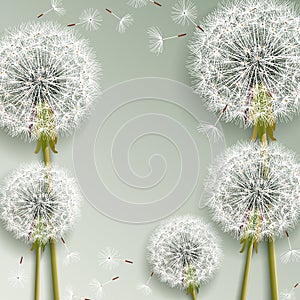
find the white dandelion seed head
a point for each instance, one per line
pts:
(17, 279)
(91, 19)
(156, 42)
(248, 58)
(38, 204)
(71, 258)
(288, 295)
(57, 7)
(145, 289)
(97, 288)
(184, 12)
(109, 258)
(184, 251)
(48, 80)
(291, 256)
(254, 191)
(137, 3)
(124, 23)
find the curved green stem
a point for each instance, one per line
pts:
(247, 269)
(273, 269)
(37, 271)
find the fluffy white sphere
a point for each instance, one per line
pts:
(254, 190)
(248, 60)
(38, 204)
(184, 252)
(48, 80)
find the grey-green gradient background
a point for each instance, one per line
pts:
(125, 57)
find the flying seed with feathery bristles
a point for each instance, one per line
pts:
(185, 12)
(156, 39)
(141, 3)
(123, 22)
(56, 6)
(109, 258)
(145, 287)
(71, 256)
(292, 255)
(289, 294)
(90, 19)
(97, 287)
(17, 278)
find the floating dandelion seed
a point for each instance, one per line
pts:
(141, 3)
(110, 259)
(156, 39)
(289, 294)
(185, 12)
(248, 58)
(17, 278)
(184, 252)
(90, 19)
(70, 295)
(56, 5)
(211, 130)
(97, 286)
(48, 80)
(71, 256)
(292, 255)
(34, 210)
(250, 202)
(123, 22)
(145, 287)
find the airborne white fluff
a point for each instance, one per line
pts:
(248, 49)
(91, 19)
(38, 204)
(184, 252)
(184, 12)
(48, 80)
(254, 191)
(141, 3)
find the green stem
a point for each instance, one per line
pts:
(54, 270)
(273, 269)
(194, 294)
(247, 269)
(37, 271)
